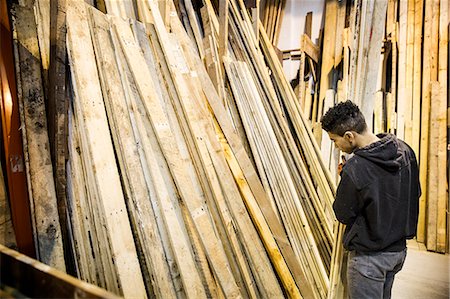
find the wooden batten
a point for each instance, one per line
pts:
(429, 73)
(401, 87)
(409, 74)
(371, 62)
(442, 205)
(42, 15)
(328, 52)
(39, 169)
(417, 76)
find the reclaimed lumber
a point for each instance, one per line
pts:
(42, 194)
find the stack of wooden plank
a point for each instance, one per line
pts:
(272, 12)
(185, 180)
(287, 159)
(198, 228)
(397, 74)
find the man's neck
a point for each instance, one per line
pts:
(366, 138)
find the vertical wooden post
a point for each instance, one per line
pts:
(57, 117)
(223, 33)
(429, 73)
(328, 51)
(17, 185)
(417, 82)
(442, 232)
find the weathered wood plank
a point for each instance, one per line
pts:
(13, 151)
(429, 73)
(328, 52)
(31, 99)
(35, 279)
(442, 218)
(371, 60)
(417, 82)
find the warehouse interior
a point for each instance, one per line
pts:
(174, 148)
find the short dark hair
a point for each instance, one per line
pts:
(344, 117)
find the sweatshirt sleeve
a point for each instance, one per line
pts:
(346, 206)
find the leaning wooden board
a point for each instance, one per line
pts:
(42, 193)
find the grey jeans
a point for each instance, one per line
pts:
(371, 275)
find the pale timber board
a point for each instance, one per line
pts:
(122, 8)
(340, 24)
(429, 73)
(355, 26)
(42, 14)
(41, 183)
(433, 167)
(443, 233)
(408, 108)
(111, 201)
(372, 61)
(328, 52)
(367, 10)
(93, 218)
(80, 213)
(325, 146)
(417, 82)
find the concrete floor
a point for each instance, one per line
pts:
(425, 275)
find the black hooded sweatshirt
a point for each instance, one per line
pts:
(378, 196)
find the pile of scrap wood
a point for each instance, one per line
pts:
(191, 170)
(397, 73)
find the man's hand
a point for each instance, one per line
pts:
(340, 165)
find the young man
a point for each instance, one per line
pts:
(377, 198)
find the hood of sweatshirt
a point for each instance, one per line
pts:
(386, 153)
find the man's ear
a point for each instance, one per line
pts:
(349, 136)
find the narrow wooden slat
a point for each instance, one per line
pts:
(309, 48)
(57, 104)
(42, 13)
(429, 73)
(408, 107)
(371, 62)
(13, 150)
(417, 82)
(433, 168)
(328, 51)
(401, 88)
(41, 183)
(340, 24)
(442, 230)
